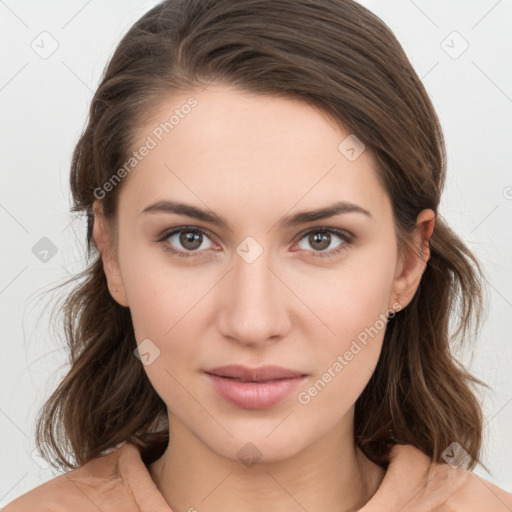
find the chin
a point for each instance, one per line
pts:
(251, 445)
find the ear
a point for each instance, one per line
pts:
(411, 265)
(102, 236)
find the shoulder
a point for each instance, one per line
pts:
(466, 491)
(441, 487)
(97, 485)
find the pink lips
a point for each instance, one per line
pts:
(254, 388)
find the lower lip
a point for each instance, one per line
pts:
(253, 395)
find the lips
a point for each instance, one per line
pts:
(254, 388)
(261, 374)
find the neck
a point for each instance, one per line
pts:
(331, 474)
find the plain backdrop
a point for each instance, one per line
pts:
(52, 57)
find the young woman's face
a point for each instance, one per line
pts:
(309, 295)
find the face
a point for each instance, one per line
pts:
(262, 287)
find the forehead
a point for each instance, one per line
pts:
(242, 149)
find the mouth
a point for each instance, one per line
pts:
(244, 380)
(262, 374)
(254, 388)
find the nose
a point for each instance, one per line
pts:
(254, 303)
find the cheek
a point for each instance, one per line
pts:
(353, 303)
(162, 310)
(165, 307)
(349, 354)
(352, 296)
(159, 292)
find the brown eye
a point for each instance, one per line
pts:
(321, 242)
(185, 241)
(190, 240)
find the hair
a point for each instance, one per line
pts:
(340, 58)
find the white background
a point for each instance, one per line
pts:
(44, 105)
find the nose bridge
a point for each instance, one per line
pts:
(253, 306)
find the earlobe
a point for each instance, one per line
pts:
(114, 279)
(414, 262)
(102, 239)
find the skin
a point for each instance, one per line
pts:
(253, 160)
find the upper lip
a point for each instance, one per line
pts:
(260, 374)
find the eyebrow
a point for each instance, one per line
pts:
(337, 208)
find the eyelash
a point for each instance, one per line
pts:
(346, 237)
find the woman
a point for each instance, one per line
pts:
(265, 321)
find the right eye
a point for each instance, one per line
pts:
(184, 241)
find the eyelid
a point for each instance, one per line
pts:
(336, 231)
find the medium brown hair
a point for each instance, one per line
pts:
(339, 57)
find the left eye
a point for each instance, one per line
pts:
(321, 239)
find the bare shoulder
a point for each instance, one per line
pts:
(97, 485)
(413, 482)
(58, 494)
(468, 492)
(480, 494)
